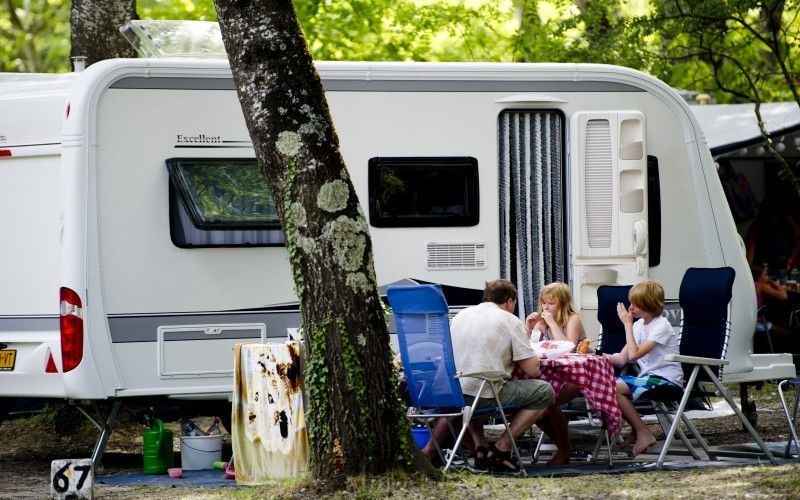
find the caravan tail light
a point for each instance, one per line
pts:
(71, 323)
(5, 152)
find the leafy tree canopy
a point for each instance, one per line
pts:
(703, 46)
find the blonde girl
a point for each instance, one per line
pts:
(557, 318)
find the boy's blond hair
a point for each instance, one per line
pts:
(559, 292)
(648, 296)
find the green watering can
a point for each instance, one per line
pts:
(157, 455)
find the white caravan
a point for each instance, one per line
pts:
(125, 188)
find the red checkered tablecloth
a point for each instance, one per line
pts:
(594, 375)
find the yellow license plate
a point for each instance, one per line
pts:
(7, 359)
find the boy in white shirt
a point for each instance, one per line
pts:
(648, 341)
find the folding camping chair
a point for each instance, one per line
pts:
(612, 339)
(423, 332)
(704, 296)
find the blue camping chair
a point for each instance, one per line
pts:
(612, 333)
(423, 332)
(704, 296)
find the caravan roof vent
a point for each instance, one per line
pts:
(174, 38)
(456, 255)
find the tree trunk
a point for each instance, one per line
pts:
(356, 422)
(95, 29)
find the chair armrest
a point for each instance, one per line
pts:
(696, 360)
(493, 376)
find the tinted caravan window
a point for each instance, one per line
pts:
(423, 192)
(220, 202)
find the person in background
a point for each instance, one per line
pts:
(773, 238)
(769, 290)
(765, 286)
(648, 341)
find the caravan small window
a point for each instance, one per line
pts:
(423, 192)
(221, 202)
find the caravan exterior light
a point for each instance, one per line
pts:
(71, 324)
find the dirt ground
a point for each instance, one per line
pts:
(30, 444)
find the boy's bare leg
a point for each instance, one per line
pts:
(644, 438)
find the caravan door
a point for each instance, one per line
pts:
(531, 162)
(608, 224)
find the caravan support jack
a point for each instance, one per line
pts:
(105, 431)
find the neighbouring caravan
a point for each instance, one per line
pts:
(130, 270)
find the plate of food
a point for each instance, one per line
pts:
(552, 348)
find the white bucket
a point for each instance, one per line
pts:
(200, 452)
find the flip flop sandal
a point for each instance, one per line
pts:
(481, 458)
(501, 461)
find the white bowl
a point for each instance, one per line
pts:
(552, 348)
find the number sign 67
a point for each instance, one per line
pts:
(71, 478)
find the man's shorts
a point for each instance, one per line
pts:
(528, 394)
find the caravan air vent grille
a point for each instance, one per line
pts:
(456, 255)
(599, 195)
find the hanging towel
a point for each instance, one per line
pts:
(269, 428)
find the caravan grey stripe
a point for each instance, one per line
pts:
(145, 328)
(209, 83)
(29, 323)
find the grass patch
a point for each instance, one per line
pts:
(729, 482)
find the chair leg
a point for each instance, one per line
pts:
(538, 448)
(739, 414)
(700, 440)
(662, 413)
(790, 420)
(676, 421)
(603, 435)
(514, 448)
(467, 416)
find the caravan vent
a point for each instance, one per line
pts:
(456, 255)
(598, 182)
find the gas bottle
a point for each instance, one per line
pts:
(157, 454)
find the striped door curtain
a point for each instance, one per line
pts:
(532, 204)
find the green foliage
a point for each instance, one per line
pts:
(316, 379)
(400, 30)
(742, 50)
(190, 10)
(354, 375)
(596, 31)
(34, 35)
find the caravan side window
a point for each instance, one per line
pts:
(423, 192)
(216, 202)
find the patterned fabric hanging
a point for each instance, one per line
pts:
(532, 232)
